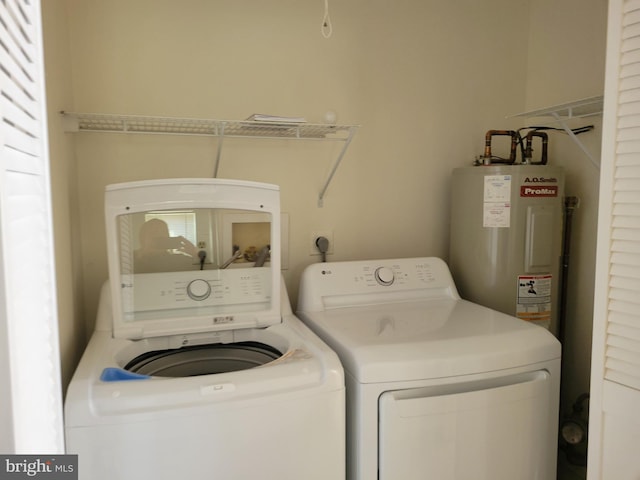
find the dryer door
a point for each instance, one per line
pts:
(496, 429)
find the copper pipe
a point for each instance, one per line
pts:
(487, 146)
(529, 152)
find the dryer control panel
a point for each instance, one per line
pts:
(328, 285)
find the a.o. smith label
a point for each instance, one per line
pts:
(540, 180)
(51, 467)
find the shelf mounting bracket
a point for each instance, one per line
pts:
(219, 152)
(335, 165)
(575, 139)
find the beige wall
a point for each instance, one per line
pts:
(425, 79)
(72, 327)
(566, 62)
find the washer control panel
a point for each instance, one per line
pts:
(219, 288)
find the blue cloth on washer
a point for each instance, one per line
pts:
(112, 374)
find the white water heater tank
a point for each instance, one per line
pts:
(506, 238)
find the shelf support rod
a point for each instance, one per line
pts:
(336, 163)
(576, 140)
(219, 153)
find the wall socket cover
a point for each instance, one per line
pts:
(313, 248)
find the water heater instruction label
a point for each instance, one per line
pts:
(534, 297)
(497, 201)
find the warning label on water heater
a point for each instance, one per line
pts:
(534, 297)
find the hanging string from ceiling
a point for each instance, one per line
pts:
(326, 27)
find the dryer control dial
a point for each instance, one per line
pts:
(199, 289)
(384, 276)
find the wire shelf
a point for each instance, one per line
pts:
(136, 124)
(577, 109)
(98, 122)
(586, 107)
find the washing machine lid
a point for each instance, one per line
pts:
(192, 255)
(434, 338)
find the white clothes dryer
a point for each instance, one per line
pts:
(198, 368)
(437, 387)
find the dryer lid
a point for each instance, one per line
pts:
(434, 338)
(193, 255)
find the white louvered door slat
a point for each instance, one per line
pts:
(13, 91)
(630, 83)
(624, 282)
(31, 409)
(632, 93)
(628, 9)
(615, 379)
(622, 329)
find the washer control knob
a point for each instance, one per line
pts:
(199, 289)
(384, 276)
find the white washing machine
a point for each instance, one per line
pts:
(437, 387)
(197, 368)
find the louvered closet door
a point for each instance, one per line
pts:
(614, 449)
(30, 398)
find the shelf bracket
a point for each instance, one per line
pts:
(220, 133)
(575, 139)
(335, 165)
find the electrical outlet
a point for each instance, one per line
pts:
(313, 248)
